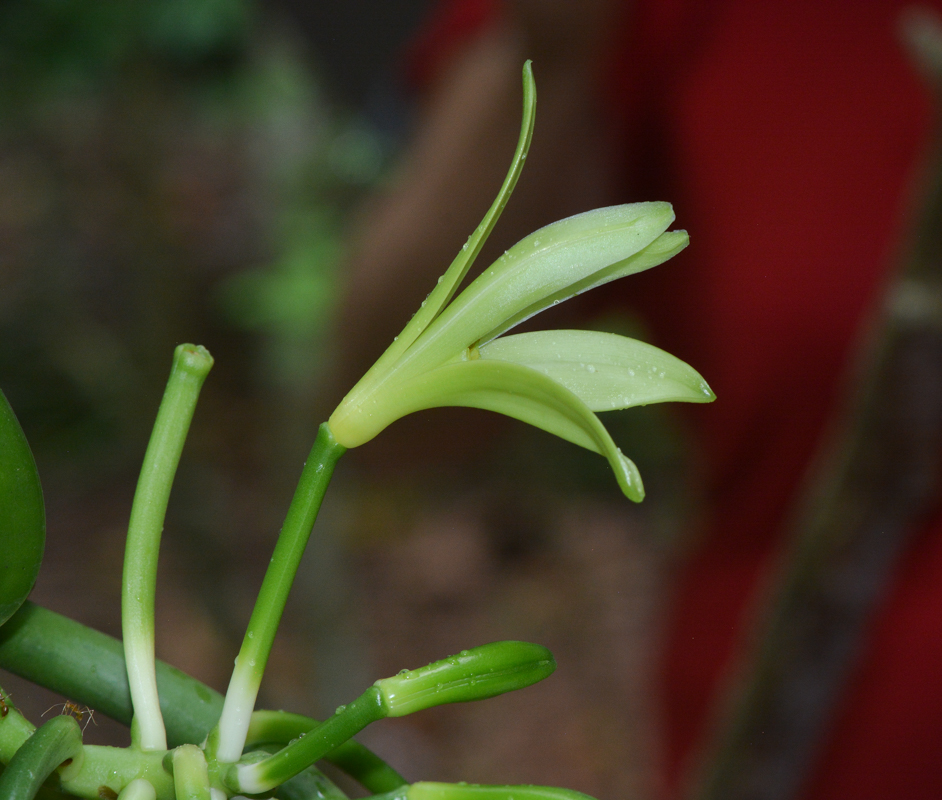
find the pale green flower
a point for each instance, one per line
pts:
(449, 354)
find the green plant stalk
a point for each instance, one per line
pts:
(429, 790)
(311, 784)
(191, 365)
(190, 774)
(474, 674)
(57, 741)
(88, 666)
(280, 727)
(261, 776)
(263, 624)
(114, 768)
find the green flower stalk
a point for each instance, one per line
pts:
(191, 365)
(475, 674)
(449, 354)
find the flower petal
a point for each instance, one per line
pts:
(548, 262)
(500, 386)
(666, 246)
(604, 370)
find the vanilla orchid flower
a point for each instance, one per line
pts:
(455, 354)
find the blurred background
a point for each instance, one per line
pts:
(281, 182)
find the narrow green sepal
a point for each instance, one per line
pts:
(546, 267)
(456, 272)
(428, 790)
(475, 674)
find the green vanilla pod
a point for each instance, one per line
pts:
(475, 674)
(427, 790)
(22, 518)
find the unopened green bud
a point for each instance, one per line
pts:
(469, 791)
(474, 674)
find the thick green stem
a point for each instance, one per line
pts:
(256, 646)
(191, 365)
(107, 771)
(57, 741)
(281, 727)
(289, 761)
(88, 666)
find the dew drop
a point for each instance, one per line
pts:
(402, 672)
(340, 709)
(590, 367)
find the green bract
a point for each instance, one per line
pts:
(449, 353)
(475, 674)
